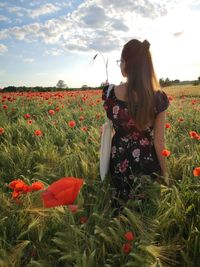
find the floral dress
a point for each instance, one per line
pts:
(132, 153)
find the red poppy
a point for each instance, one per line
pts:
(193, 134)
(5, 107)
(51, 112)
(73, 208)
(29, 121)
(166, 152)
(72, 124)
(127, 247)
(196, 171)
(129, 236)
(62, 192)
(180, 119)
(27, 116)
(167, 125)
(38, 132)
(81, 118)
(13, 183)
(83, 219)
(37, 186)
(15, 194)
(1, 130)
(84, 129)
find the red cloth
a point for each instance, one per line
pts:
(62, 192)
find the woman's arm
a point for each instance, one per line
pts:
(159, 142)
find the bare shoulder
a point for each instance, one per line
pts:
(120, 91)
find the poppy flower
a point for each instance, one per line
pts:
(13, 184)
(27, 116)
(81, 118)
(166, 152)
(1, 130)
(38, 132)
(29, 121)
(73, 208)
(5, 107)
(72, 124)
(37, 186)
(196, 171)
(167, 125)
(193, 134)
(127, 247)
(62, 192)
(83, 219)
(51, 112)
(180, 119)
(129, 236)
(84, 129)
(15, 194)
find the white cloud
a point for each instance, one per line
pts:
(16, 10)
(3, 49)
(53, 52)
(4, 18)
(93, 27)
(29, 60)
(43, 10)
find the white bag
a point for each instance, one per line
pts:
(105, 151)
(106, 141)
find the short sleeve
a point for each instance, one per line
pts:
(104, 92)
(161, 101)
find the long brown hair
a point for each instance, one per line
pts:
(141, 82)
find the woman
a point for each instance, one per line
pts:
(137, 110)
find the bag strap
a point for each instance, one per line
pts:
(109, 89)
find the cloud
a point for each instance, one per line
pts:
(119, 25)
(29, 60)
(16, 10)
(93, 16)
(3, 49)
(4, 34)
(43, 10)
(53, 52)
(90, 26)
(4, 18)
(144, 8)
(2, 5)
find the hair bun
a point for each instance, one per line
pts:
(146, 44)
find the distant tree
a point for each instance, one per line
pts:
(176, 81)
(199, 78)
(165, 82)
(61, 84)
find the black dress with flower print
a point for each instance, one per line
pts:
(132, 152)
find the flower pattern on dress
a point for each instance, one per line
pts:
(144, 142)
(115, 111)
(123, 166)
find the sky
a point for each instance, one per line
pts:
(42, 42)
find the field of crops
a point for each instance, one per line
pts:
(48, 136)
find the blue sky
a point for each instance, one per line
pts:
(42, 42)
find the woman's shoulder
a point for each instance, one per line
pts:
(161, 100)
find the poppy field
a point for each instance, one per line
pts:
(55, 210)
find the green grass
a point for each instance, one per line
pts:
(166, 228)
